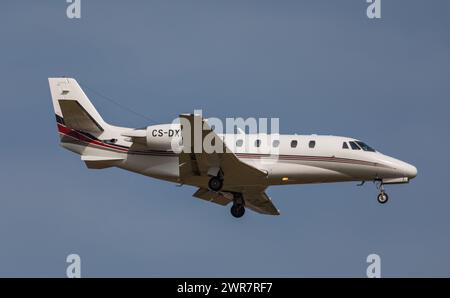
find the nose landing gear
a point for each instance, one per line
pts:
(382, 197)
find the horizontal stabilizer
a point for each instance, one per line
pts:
(100, 162)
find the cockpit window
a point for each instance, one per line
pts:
(365, 147)
(344, 145)
(354, 146)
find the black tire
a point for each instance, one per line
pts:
(382, 198)
(215, 183)
(237, 210)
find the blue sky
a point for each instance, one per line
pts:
(320, 66)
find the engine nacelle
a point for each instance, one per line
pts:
(163, 136)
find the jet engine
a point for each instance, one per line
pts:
(163, 136)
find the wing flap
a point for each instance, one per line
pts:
(211, 196)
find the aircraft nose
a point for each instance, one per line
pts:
(410, 171)
(401, 168)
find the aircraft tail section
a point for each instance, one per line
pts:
(81, 128)
(73, 108)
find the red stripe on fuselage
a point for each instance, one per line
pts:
(81, 137)
(64, 130)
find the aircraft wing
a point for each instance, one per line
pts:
(255, 200)
(237, 174)
(260, 202)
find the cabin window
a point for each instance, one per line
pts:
(239, 143)
(276, 143)
(365, 147)
(258, 143)
(312, 144)
(354, 146)
(344, 145)
(294, 143)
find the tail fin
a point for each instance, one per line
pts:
(73, 108)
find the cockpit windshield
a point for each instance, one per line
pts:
(365, 147)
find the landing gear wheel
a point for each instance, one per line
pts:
(237, 210)
(383, 198)
(215, 183)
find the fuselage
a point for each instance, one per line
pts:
(287, 159)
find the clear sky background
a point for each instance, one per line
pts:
(320, 66)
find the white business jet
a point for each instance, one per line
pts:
(238, 171)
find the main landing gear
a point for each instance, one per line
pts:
(238, 208)
(382, 197)
(215, 183)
